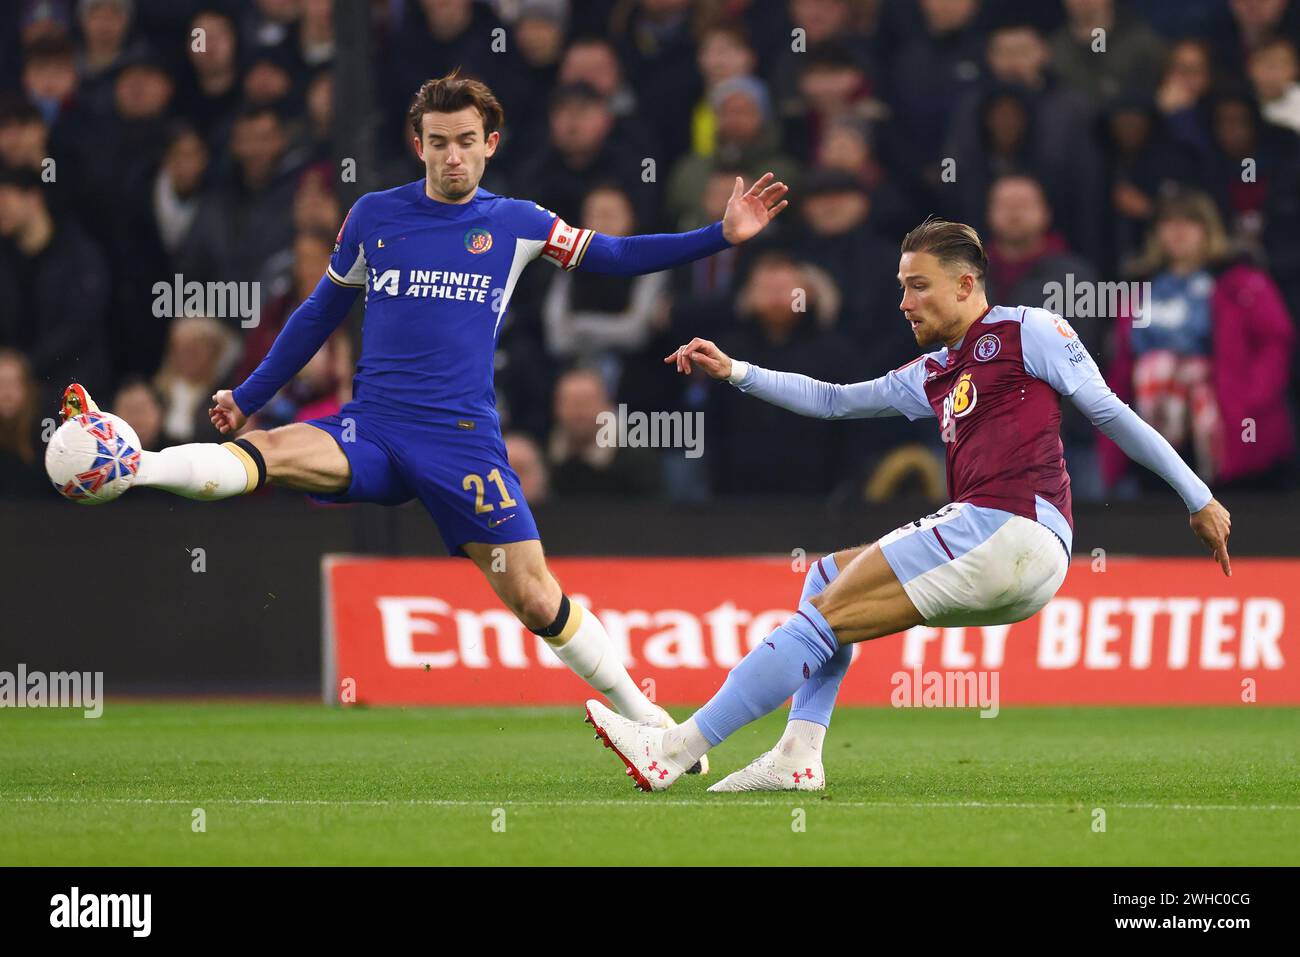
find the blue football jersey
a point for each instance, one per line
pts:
(438, 279)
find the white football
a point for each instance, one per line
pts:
(93, 457)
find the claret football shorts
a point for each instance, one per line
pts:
(457, 469)
(968, 565)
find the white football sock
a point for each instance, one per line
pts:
(685, 743)
(201, 470)
(802, 740)
(591, 655)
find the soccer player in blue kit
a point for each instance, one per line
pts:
(439, 259)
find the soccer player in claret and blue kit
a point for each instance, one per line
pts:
(993, 556)
(439, 259)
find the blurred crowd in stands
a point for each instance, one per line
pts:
(1088, 140)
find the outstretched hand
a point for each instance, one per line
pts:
(225, 415)
(703, 352)
(748, 211)
(1212, 525)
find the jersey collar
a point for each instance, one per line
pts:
(961, 343)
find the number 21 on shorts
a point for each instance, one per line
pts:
(475, 483)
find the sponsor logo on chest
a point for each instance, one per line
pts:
(960, 400)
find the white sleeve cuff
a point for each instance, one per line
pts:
(739, 370)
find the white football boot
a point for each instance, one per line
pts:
(699, 767)
(639, 746)
(774, 771)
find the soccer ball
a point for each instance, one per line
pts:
(93, 457)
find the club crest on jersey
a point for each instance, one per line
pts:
(961, 400)
(478, 241)
(987, 347)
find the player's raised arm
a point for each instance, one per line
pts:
(900, 392)
(748, 213)
(1053, 353)
(302, 336)
(304, 333)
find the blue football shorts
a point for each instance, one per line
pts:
(457, 469)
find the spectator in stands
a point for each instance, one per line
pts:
(243, 224)
(1026, 258)
(1055, 140)
(1122, 59)
(1208, 361)
(598, 321)
(139, 402)
(1274, 71)
(1184, 90)
(40, 19)
(309, 257)
(316, 33)
(833, 86)
(747, 139)
(55, 287)
(319, 98)
(211, 91)
(118, 205)
(22, 471)
(434, 35)
(271, 24)
(135, 136)
(526, 458)
(835, 232)
(823, 22)
(51, 85)
(269, 78)
(178, 186)
(725, 53)
(594, 61)
(582, 151)
(1251, 24)
(324, 385)
(1254, 175)
(538, 35)
(24, 134)
(849, 144)
(582, 465)
(655, 40)
(702, 291)
(786, 316)
(200, 354)
(105, 32)
(315, 207)
(1143, 162)
(931, 70)
(50, 76)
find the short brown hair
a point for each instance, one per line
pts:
(951, 243)
(452, 93)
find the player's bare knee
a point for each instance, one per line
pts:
(535, 602)
(272, 448)
(831, 605)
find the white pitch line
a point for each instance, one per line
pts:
(656, 802)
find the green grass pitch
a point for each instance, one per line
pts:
(286, 783)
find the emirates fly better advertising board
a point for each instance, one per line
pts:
(430, 631)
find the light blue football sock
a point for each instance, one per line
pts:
(815, 699)
(769, 674)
